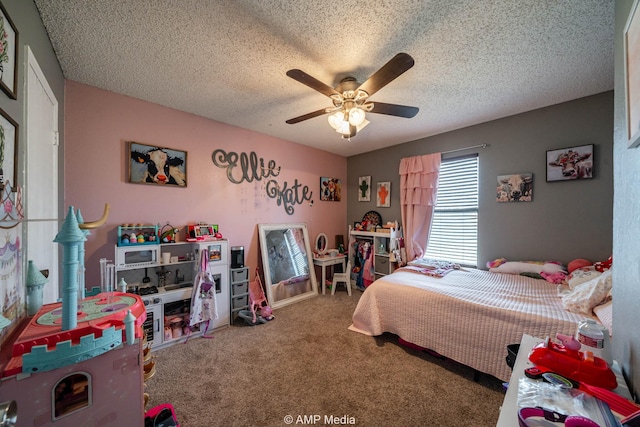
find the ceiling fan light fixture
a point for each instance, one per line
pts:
(336, 119)
(351, 99)
(356, 116)
(344, 128)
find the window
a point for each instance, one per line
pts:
(454, 230)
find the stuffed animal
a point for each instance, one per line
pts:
(578, 263)
(266, 312)
(496, 263)
(603, 266)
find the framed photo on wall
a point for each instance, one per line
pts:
(515, 188)
(330, 189)
(8, 151)
(364, 189)
(632, 75)
(566, 164)
(383, 194)
(8, 54)
(151, 164)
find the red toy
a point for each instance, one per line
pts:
(571, 363)
(604, 265)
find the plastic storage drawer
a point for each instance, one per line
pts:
(239, 275)
(239, 288)
(239, 302)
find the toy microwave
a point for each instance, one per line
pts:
(137, 256)
(197, 232)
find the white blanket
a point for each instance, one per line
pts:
(469, 315)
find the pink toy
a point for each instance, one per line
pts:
(258, 300)
(556, 278)
(266, 312)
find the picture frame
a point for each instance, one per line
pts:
(571, 163)
(383, 194)
(330, 189)
(155, 165)
(364, 188)
(515, 188)
(8, 151)
(631, 42)
(8, 55)
(215, 252)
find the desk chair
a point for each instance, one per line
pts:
(344, 277)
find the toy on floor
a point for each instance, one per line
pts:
(161, 416)
(260, 311)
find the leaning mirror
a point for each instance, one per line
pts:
(321, 244)
(288, 264)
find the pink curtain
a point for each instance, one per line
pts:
(418, 191)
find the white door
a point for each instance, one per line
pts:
(41, 180)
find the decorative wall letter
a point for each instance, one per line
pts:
(252, 168)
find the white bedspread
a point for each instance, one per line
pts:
(469, 315)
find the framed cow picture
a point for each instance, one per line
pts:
(515, 188)
(151, 164)
(567, 164)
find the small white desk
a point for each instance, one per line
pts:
(325, 261)
(509, 410)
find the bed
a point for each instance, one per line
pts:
(467, 315)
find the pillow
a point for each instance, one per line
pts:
(584, 297)
(578, 263)
(604, 312)
(582, 275)
(519, 267)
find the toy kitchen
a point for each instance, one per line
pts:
(161, 269)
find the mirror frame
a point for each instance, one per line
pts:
(318, 249)
(263, 231)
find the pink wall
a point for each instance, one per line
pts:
(98, 124)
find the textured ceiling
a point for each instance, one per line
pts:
(475, 61)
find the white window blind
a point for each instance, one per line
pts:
(454, 229)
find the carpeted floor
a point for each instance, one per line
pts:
(306, 368)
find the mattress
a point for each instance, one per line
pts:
(468, 315)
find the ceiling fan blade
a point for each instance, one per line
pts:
(312, 82)
(394, 109)
(389, 71)
(307, 116)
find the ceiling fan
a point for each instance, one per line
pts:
(351, 99)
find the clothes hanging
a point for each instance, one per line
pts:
(204, 306)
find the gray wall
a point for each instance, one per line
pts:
(626, 226)
(31, 32)
(565, 220)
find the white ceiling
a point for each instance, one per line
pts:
(475, 61)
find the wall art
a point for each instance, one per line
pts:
(383, 194)
(8, 54)
(150, 164)
(12, 291)
(8, 151)
(632, 75)
(330, 189)
(245, 167)
(364, 189)
(515, 188)
(566, 164)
